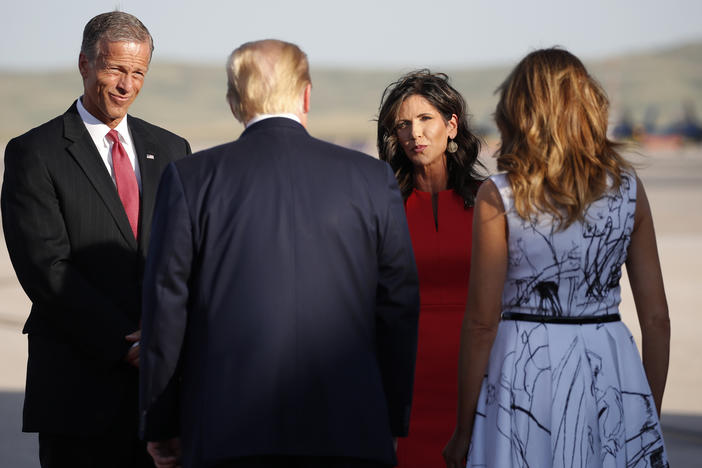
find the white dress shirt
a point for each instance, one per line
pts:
(98, 132)
(260, 117)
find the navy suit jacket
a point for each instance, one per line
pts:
(281, 302)
(76, 257)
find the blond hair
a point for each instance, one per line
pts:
(266, 77)
(552, 116)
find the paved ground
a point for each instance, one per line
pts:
(673, 181)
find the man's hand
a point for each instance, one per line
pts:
(166, 453)
(132, 356)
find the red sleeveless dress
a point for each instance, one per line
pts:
(443, 263)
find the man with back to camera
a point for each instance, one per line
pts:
(280, 295)
(77, 199)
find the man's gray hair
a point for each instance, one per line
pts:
(114, 26)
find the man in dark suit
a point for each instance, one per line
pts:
(280, 294)
(77, 200)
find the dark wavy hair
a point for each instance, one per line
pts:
(462, 166)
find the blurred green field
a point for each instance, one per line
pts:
(189, 99)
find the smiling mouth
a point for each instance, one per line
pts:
(419, 148)
(119, 98)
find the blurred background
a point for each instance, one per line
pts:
(647, 54)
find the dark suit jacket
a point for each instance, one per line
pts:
(76, 257)
(280, 302)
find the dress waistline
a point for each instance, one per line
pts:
(584, 320)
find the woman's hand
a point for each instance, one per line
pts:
(456, 450)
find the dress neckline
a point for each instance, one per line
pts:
(423, 194)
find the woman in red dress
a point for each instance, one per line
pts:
(423, 133)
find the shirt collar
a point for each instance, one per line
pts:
(260, 117)
(96, 127)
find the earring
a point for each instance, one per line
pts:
(452, 146)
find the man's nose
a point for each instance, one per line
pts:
(125, 83)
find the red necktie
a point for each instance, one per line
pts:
(126, 181)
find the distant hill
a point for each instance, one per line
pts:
(190, 99)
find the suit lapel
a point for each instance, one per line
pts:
(83, 150)
(150, 164)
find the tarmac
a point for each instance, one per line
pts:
(673, 181)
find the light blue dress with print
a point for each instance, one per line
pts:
(566, 395)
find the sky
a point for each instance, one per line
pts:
(43, 34)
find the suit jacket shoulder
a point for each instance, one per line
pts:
(69, 125)
(157, 132)
(257, 142)
(40, 135)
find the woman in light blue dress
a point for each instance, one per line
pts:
(549, 376)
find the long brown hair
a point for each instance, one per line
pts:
(552, 116)
(462, 166)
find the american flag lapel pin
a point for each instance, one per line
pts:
(150, 156)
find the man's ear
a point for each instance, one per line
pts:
(83, 65)
(306, 98)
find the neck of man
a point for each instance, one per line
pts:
(303, 118)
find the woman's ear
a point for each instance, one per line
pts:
(452, 126)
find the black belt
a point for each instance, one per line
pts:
(561, 320)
